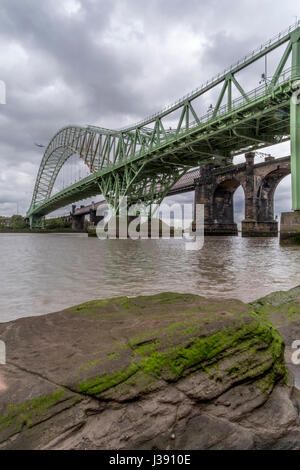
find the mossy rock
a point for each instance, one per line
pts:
(123, 349)
(279, 297)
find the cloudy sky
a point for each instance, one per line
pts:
(110, 63)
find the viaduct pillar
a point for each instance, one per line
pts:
(290, 221)
(94, 218)
(259, 204)
(218, 203)
(77, 221)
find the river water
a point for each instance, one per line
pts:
(42, 273)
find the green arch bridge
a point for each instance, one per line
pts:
(145, 160)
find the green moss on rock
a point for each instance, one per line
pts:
(99, 384)
(27, 413)
(279, 298)
(156, 360)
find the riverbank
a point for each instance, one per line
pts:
(169, 371)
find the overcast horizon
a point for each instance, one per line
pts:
(112, 63)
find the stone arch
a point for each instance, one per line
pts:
(283, 200)
(223, 211)
(266, 191)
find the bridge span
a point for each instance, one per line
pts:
(144, 161)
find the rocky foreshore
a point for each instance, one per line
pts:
(170, 371)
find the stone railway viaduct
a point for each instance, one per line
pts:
(215, 187)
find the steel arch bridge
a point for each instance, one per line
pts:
(145, 160)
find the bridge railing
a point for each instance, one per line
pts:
(217, 77)
(241, 100)
(249, 98)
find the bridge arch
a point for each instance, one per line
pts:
(266, 192)
(114, 158)
(61, 147)
(223, 204)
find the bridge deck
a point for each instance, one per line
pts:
(146, 160)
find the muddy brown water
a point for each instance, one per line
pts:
(45, 273)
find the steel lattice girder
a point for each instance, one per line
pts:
(146, 155)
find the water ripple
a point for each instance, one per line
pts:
(45, 273)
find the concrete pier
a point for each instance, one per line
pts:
(77, 220)
(290, 227)
(252, 228)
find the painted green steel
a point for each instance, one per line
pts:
(145, 160)
(295, 125)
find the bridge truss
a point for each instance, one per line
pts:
(145, 160)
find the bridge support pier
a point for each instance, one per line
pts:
(37, 223)
(259, 204)
(78, 223)
(77, 220)
(220, 229)
(252, 228)
(94, 218)
(290, 227)
(218, 204)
